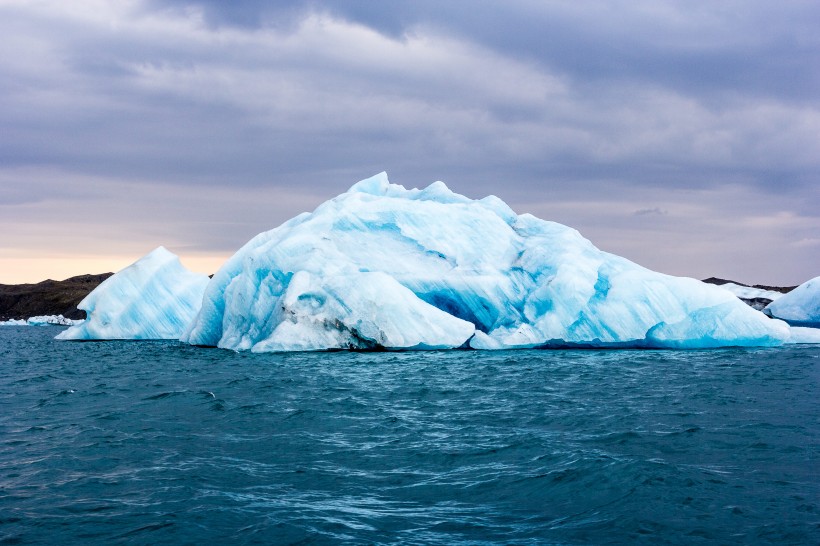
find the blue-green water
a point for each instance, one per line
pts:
(158, 442)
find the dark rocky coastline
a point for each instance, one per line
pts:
(21, 301)
(781, 289)
(756, 303)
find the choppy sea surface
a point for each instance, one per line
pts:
(163, 443)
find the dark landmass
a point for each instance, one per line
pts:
(21, 301)
(781, 289)
(756, 303)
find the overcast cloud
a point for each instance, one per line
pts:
(682, 135)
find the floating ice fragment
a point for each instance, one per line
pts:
(800, 307)
(153, 298)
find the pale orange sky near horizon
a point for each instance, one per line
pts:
(34, 270)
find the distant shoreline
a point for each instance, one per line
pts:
(782, 289)
(21, 301)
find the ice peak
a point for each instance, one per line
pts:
(375, 185)
(380, 186)
(156, 259)
(438, 191)
(158, 255)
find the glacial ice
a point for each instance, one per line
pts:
(750, 292)
(153, 298)
(14, 322)
(802, 334)
(363, 310)
(42, 320)
(381, 266)
(52, 320)
(800, 307)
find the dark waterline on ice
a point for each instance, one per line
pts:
(159, 442)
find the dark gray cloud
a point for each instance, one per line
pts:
(653, 211)
(583, 113)
(750, 47)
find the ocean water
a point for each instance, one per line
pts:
(162, 443)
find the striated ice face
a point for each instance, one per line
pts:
(801, 306)
(381, 266)
(153, 298)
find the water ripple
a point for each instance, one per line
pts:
(160, 442)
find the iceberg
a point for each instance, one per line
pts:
(800, 307)
(52, 320)
(755, 297)
(384, 267)
(156, 297)
(750, 292)
(14, 322)
(42, 320)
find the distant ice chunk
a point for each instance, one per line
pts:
(800, 307)
(384, 266)
(52, 320)
(13, 322)
(42, 320)
(153, 298)
(750, 292)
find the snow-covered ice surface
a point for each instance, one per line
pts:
(156, 297)
(42, 320)
(383, 266)
(52, 320)
(804, 335)
(750, 292)
(13, 322)
(799, 307)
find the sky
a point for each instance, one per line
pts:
(683, 135)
